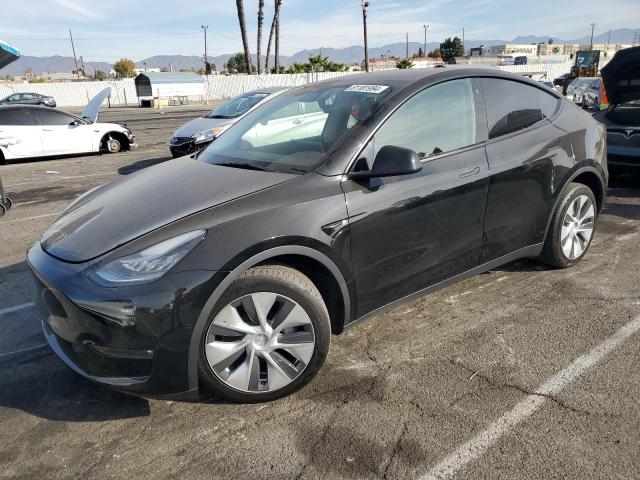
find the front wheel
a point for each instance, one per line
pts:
(267, 337)
(572, 227)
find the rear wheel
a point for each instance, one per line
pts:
(267, 337)
(572, 227)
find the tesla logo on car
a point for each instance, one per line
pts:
(628, 133)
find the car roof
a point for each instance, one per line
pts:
(398, 80)
(268, 90)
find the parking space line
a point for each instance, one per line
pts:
(37, 347)
(36, 217)
(16, 308)
(50, 178)
(478, 445)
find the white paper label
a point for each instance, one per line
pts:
(367, 88)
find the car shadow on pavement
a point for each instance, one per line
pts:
(39, 384)
(141, 164)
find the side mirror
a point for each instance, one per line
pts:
(74, 123)
(392, 161)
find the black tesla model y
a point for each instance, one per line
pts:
(330, 203)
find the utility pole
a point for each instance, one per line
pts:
(206, 58)
(425, 40)
(365, 5)
(407, 42)
(593, 26)
(463, 41)
(74, 54)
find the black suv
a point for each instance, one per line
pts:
(328, 204)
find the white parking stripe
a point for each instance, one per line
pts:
(36, 217)
(478, 445)
(6, 354)
(16, 308)
(50, 179)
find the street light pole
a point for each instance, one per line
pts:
(206, 58)
(593, 26)
(365, 5)
(425, 40)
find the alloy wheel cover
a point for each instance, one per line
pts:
(260, 342)
(577, 227)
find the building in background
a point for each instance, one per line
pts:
(513, 48)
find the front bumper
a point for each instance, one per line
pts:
(134, 339)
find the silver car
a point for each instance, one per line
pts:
(576, 89)
(200, 132)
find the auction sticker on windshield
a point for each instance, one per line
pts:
(367, 88)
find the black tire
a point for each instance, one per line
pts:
(8, 203)
(3, 210)
(283, 281)
(552, 253)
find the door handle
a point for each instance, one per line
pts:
(297, 122)
(47, 130)
(469, 173)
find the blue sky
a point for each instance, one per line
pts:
(110, 29)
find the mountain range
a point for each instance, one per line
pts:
(348, 55)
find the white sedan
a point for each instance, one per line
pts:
(28, 131)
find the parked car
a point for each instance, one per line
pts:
(559, 81)
(621, 79)
(233, 270)
(30, 131)
(576, 89)
(200, 132)
(28, 99)
(592, 95)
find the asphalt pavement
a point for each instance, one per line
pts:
(524, 372)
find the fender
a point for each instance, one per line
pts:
(233, 275)
(576, 173)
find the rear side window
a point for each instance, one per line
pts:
(439, 119)
(15, 116)
(51, 117)
(513, 106)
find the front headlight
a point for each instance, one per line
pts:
(207, 135)
(149, 264)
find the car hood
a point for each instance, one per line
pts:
(126, 209)
(621, 76)
(90, 112)
(199, 124)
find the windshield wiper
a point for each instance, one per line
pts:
(245, 166)
(217, 116)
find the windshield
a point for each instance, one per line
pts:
(292, 132)
(237, 106)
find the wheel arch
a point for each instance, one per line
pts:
(124, 141)
(322, 271)
(588, 176)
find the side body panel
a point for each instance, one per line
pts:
(409, 232)
(526, 170)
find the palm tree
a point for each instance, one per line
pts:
(260, 20)
(243, 31)
(273, 29)
(277, 49)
